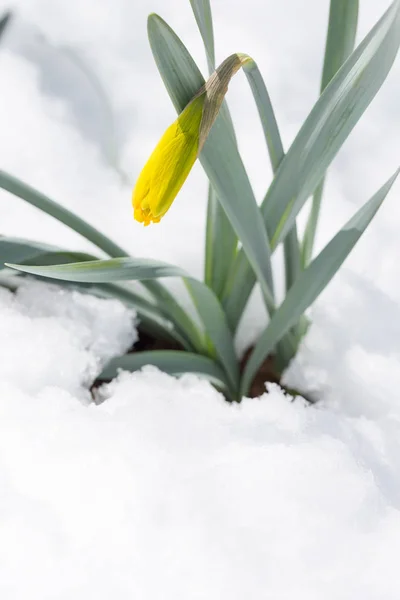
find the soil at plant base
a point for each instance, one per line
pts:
(267, 372)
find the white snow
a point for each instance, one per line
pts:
(160, 489)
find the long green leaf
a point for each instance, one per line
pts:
(167, 304)
(341, 37)
(17, 250)
(287, 347)
(42, 202)
(221, 240)
(312, 281)
(184, 81)
(100, 271)
(128, 269)
(220, 157)
(202, 13)
(29, 252)
(235, 297)
(221, 243)
(328, 125)
(276, 155)
(169, 361)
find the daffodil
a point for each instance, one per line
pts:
(175, 154)
(169, 165)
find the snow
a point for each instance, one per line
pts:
(59, 338)
(159, 489)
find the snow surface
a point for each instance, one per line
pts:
(161, 489)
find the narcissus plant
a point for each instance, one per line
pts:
(241, 234)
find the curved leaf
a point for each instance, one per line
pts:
(173, 362)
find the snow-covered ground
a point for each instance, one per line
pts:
(163, 490)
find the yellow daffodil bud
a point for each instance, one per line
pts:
(175, 154)
(169, 165)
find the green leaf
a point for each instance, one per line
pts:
(151, 320)
(235, 296)
(99, 271)
(202, 13)
(291, 251)
(184, 80)
(342, 29)
(167, 304)
(220, 245)
(220, 157)
(119, 269)
(328, 125)
(312, 281)
(276, 155)
(17, 250)
(221, 240)
(173, 362)
(42, 202)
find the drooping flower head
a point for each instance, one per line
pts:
(170, 163)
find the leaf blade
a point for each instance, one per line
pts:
(341, 36)
(172, 362)
(221, 240)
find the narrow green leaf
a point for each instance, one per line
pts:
(221, 240)
(341, 37)
(168, 306)
(312, 281)
(328, 125)
(276, 155)
(266, 113)
(151, 319)
(202, 13)
(17, 250)
(184, 80)
(120, 269)
(220, 245)
(100, 271)
(220, 157)
(42, 202)
(173, 362)
(286, 349)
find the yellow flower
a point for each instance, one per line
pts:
(169, 165)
